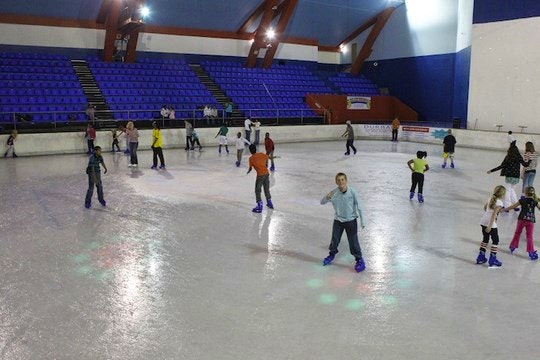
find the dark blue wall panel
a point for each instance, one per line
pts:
(425, 83)
(486, 11)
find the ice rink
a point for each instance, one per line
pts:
(178, 267)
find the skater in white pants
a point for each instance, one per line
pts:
(510, 169)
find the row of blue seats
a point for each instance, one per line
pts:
(241, 64)
(11, 84)
(149, 85)
(153, 106)
(11, 55)
(273, 114)
(146, 78)
(96, 65)
(36, 70)
(159, 99)
(242, 93)
(130, 71)
(244, 71)
(40, 92)
(30, 62)
(244, 106)
(346, 81)
(271, 82)
(147, 92)
(40, 108)
(294, 88)
(66, 99)
(277, 99)
(41, 77)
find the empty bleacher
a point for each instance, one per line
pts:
(354, 85)
(43, 86)
(138, 90)
(279, 91)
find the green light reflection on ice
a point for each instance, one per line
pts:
(315, 283)
(327, 299)
(355, 304)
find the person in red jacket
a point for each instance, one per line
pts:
(269, 147)
(90, 136)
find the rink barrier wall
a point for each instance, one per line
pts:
(72, 143)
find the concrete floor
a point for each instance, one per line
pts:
(178, 267)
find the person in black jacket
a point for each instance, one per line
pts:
(510, 168)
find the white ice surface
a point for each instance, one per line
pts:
(178, 267)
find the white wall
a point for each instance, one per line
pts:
(67, 143)
(505, 75)
(63, 37)
(464, 29)
(420, 28)
(34, 35)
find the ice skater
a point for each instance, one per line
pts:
(114, 133)
(488, 223)
(133, 136)
(195, 140)
(90, 136)
(349, 133)
(157, 147)
(10, 144)
(528, 173)
(189, 135)
(418, 167)
(222, 133)
(94, 177)
(259, 161)
(526, 219)
(240, 144)
(510, 169)
(347, 209)
(269, 147)
(449, 144)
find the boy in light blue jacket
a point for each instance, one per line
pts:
(348, 208)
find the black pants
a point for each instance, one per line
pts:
(417, 179)
(158, 152)
(262, 182)
(351, 228)
(115, 143)
(494, 236)
(349, 144)
(189, 142)
(394, 134)
(90, 143)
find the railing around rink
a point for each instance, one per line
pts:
(66, 119)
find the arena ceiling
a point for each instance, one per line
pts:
(327, 22)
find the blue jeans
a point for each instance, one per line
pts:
(248, 135)
(528, 179)
(94, 181)
(133, 151)
(351, 228)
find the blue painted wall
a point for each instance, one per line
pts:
(486, 11)
(424, 83)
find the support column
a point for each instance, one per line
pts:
(111, 30)
(367, 48)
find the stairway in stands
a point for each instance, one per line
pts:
(91, 90)
(237, 117)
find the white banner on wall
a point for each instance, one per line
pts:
(375, 130)
(422, 133)
(358, 102)
(411, 133)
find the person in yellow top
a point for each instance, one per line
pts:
(157, 144)
(418, 167)
(395, 128)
